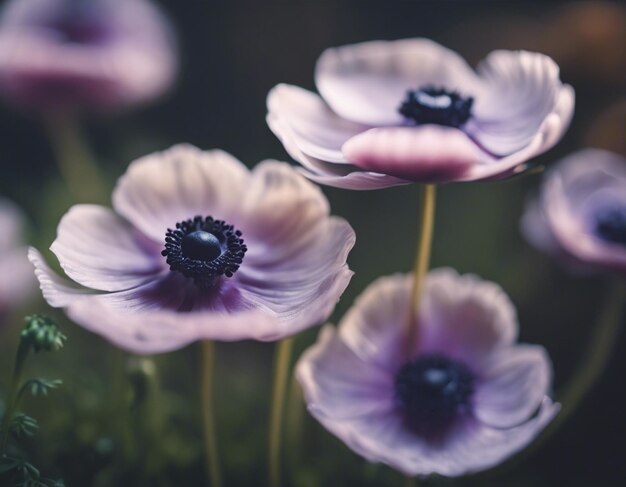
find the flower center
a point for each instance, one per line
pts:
(436, 105)
(204, 249)
(610, 225)
(431, 391)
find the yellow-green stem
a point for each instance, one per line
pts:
(422, 260)
(281, 377)
(13, 400)
(75, 160)
(207, 376)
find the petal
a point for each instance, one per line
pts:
(11, 221)
(57, 291)
(477, 447)
(337, 384)
(98, 249)
(512, 386)
(167, 187)
(357, 180)
(464, 317)
(314, 128)
(536, 229)
(428, 153)
(367, 82)
(296, 259)
(373, 326)
(150, 332)
(549, 133)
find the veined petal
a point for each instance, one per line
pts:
(429, 153)
(164, 188)
(367, 82)
(512, 386)
(98, 249)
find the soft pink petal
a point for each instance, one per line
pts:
(536, 229)
(164, 188)
(547, 135)
(367, 82)
(512, 386)
(428, 153)
(11, 222)
(521, 89)
(314, 128)
(98, 249)
(57, 291)
(338, 385)
(464, 317)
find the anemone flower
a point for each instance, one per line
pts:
(580, 214)
(393, 112)
(463, 399)
(97, 54)
(17, 281)
(198, 247)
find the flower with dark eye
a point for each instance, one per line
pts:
(199, 247)
(395, 112)
(465, 397)
(76, 54)
(580, 214)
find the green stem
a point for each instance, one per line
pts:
(422, 261)
(13, 400)
(75, 160)
(410, 482)
(602, 343)
(281, 377)
(208, 413)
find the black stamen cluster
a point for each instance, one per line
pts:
(436, 105)
(611, 225)
(431, 391)
(223, 258)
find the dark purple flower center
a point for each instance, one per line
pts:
(610, 225)
(80, 22)
(436, 105)
(204, 249)
(431, 391)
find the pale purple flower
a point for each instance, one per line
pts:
(392, 112)
(580, 214)
(199, 247)
(464, 398)
(96, 54)
(17, 282)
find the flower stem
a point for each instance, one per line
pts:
(75, 160)
(422, 260)
(13, 400)
(598, 354)
(281, 376)
(208, 413)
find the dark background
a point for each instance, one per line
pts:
(232, 54)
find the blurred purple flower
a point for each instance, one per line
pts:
(466, 399)
(96, 54)
(580, 214)
(411, 110)
(199, 247)
(17, 282)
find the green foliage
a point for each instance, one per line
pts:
(42, 333)
(23, 425)
(41, 386)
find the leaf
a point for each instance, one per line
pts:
(22, 424)
(41, 386)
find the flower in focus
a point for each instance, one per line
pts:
(198, 247)
(97, 54)
(411, 110)
(17, 281)
(466, 398)
(580, 214)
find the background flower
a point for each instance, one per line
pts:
(292, 274)
(466, 399)
(17, 282)
(412, 110)
(97, 54)
(580, 214)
